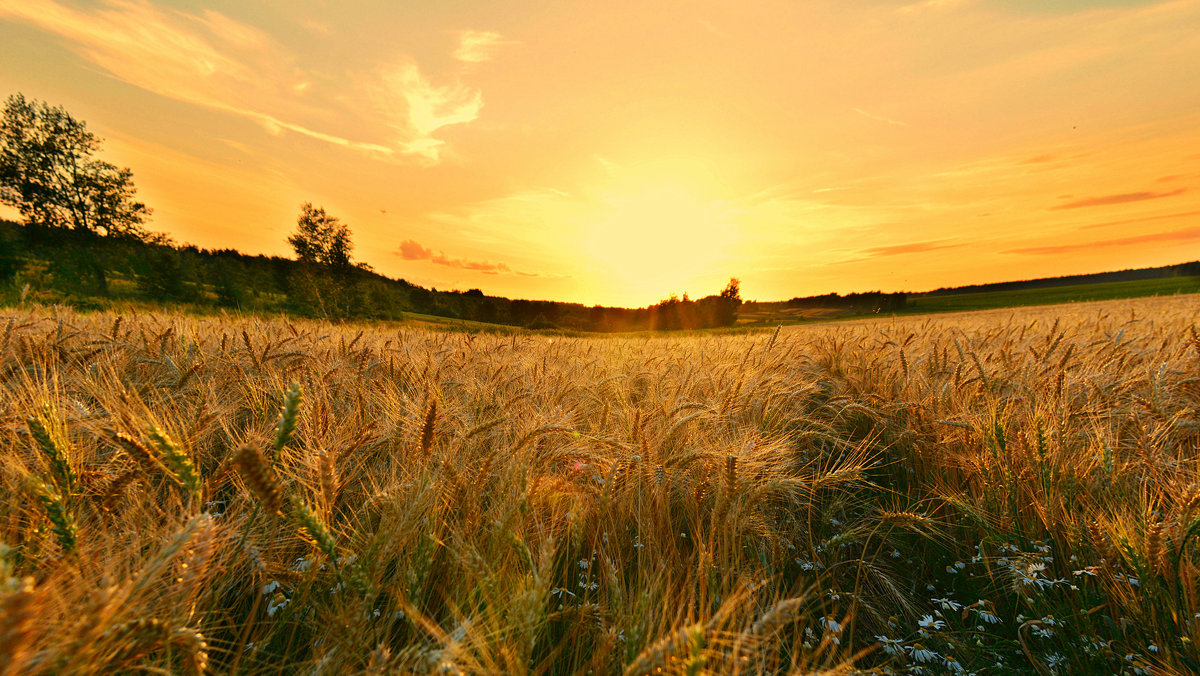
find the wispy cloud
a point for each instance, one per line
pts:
(411, 250)
(478, 46)
(911, 247)
(1118, 199)
(210, 60)
(880, 118)
(931, 5)
(1039, 159)
(428, 108)
(1127, 221)
(1168, 236)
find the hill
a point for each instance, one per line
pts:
(88, 270)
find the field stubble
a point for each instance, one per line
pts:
(999, 492)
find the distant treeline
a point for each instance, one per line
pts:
(1181, 270)
(871, 301)
(87, 269)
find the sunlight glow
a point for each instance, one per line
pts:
(661, 238)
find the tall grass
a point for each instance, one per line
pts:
(993, 493)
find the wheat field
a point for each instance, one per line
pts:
(991, 493)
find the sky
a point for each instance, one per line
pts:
(614, 153)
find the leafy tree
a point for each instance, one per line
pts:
(165, 274)
(48, 174)
(325, 282)
(731, 300)
(733, 291)
(321, 239)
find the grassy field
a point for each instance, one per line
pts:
(1064, 294)
(989, 300)
(992, 493)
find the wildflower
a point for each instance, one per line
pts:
(989, 616)
(927, 622)
(922, 654)
(831, 625)
(891, 646)
(947, 604)
(278, 602)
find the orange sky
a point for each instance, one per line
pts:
(617, 152)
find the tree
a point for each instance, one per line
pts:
(325, 282)
(321, 239)
(731, 300)
(48, 174)
(733, 291)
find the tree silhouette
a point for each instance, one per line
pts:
(48, 174)
(731, 300)
(321, 239)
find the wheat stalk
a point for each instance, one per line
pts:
(258, 477)
(427, 429)
(288, 414)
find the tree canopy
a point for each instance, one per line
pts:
(49, 174)
(321, 239)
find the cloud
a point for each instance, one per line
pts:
(427, 107)
(1169, 236)
(1141, 220)
(210, 60)
(880, 118)
(478, 46)
(1118, 199)
(912, 247)
(411, 250)
(931, 5)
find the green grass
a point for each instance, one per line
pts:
(988, 300)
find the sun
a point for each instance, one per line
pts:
(660, 238)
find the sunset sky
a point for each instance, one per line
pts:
(615, 152)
